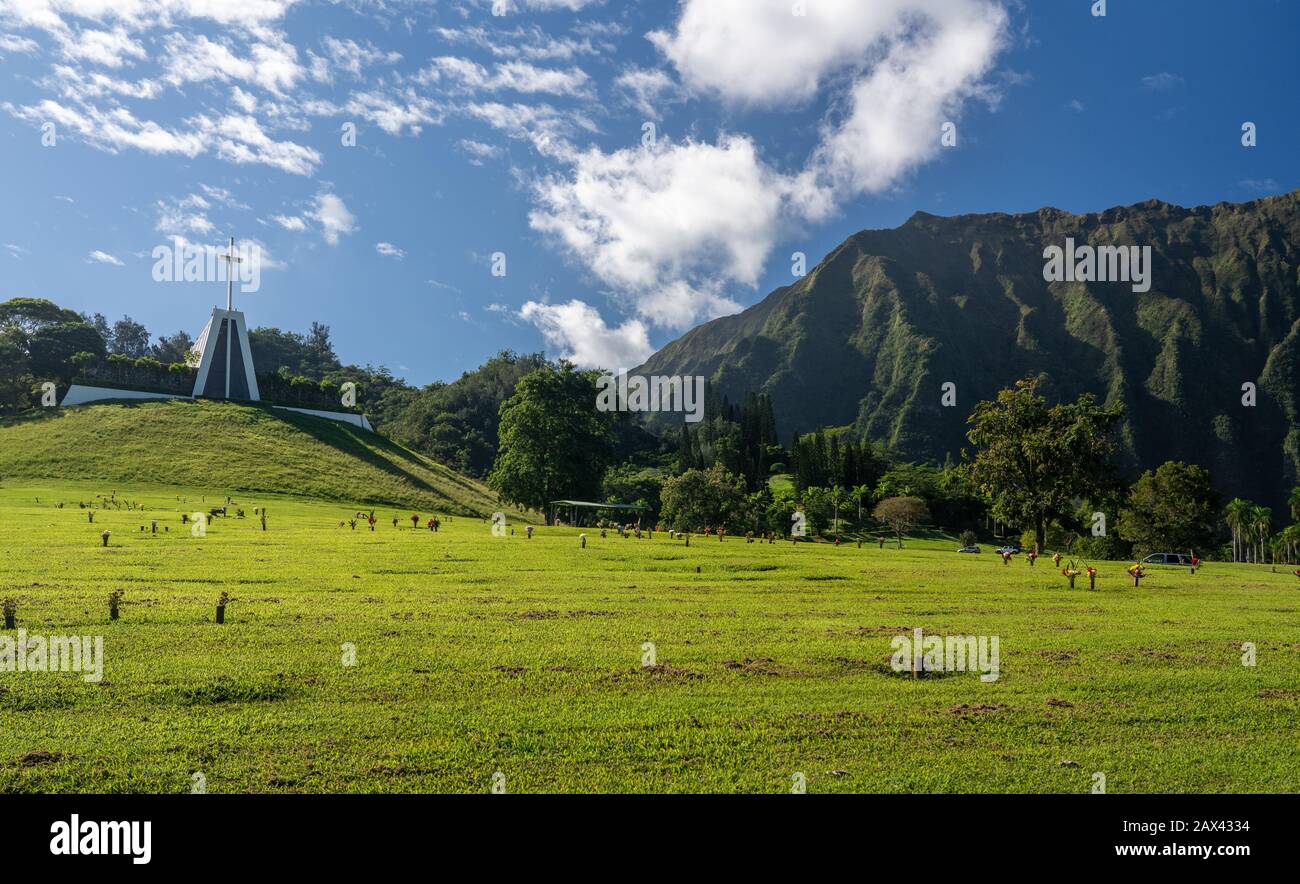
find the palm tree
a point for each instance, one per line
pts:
(1290, 539)
(837, 498)
(1293, 503)
(1261, 517)
(862, 492)
(1235, 514)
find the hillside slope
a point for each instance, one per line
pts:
(869, 337)
(224, 446)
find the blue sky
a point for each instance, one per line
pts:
(524, 133)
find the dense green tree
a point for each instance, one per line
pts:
(172, 348)
(52, 347)
(699, 499)
(457, 423)
(130, 338)
(1174, 508)
(16, 381)
(28, 315)
(634, 484)
(554, 443)
(1033, 459)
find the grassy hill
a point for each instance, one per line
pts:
(227, 447)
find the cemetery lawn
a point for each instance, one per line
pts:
(477, 654)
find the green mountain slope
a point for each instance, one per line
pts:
(869, 337)
(229, 447)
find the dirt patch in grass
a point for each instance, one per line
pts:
(968, 710)
(537, 615)
(1060, 704)
(820, 577)
(759, 666)
(875, 630)
(1055, 656)
(512, 671)
(661, 672)
(1279, 694)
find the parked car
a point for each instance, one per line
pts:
(1169, 559)
(1012, 549)
(969, 549)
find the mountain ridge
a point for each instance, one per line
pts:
(869, 335)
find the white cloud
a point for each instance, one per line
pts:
(333, 217)
(239, 138)
(222, 196)
(666, 223)
(111, 130)
(185, 215)
(530, 43)
(290, 222)
(351, 57)
(388, 250)
(80, 85)
(134, 15)
(408, 112)
(911, 64)
(272, 65)
(548, 129)
(104, 258)
(500, 7)
(646, 89)
(519, 76)
(1162, 82)
(112, 49)
(236, 138)
(478, 151)
(15, 43)
(16, 250)
(578, 332)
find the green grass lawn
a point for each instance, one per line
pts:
(478, 654)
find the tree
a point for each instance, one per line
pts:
(1261, 517)
(1290, 540)
(901, 514)
(860, 493)
(817, 508)
(838, 496)
(968, 538)
(51, 349)
(16, 381)
(1293, 503)
(1236, 515)
(553, 443)
(28, 315)
(1175, 508)
(172, 348)
(698, 499)
(130, 338)
(1033, 460)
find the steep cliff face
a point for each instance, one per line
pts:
(872, 334)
